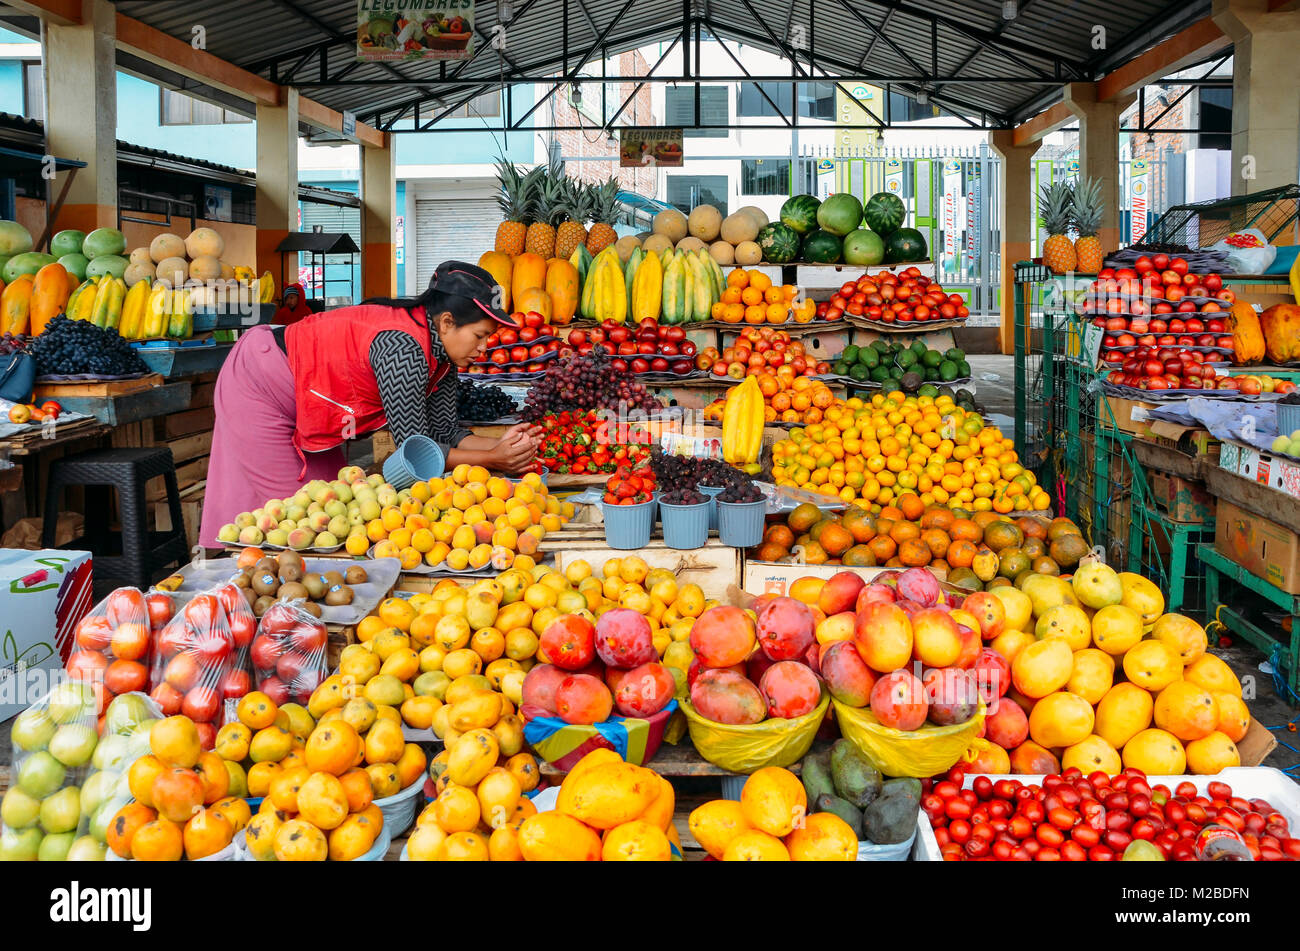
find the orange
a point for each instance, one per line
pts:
(751, 296)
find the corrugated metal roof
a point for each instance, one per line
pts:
(1005, 69)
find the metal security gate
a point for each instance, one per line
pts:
(454, 229)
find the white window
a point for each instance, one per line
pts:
(177, 108)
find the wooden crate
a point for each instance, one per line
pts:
(714, 567)
(185, 423)
(94, 388)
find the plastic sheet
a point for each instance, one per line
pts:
(920, 753)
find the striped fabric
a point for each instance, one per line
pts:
(403, 377)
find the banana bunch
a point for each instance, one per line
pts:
(98, 300)
(133, 309)
(647, 286)
(163, 312)
(692, 284)
(604, 293)
(742, 424)
(266, 288)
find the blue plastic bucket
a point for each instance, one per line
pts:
(685, 526)
(712, 491)
(628, 526)
(740, 524)
(417, 459)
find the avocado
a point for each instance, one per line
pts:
(911, 382)
(849, 354)
(929, 390)
(918, 346)
(947, 370)
(905, 784)
(963, 369)
(931, 358)
(955, 353)
(905, 359)
(816, 775)
(962, 394)
(891, 818)
(850, 813)
(840, 368)
(880, 345)
(855, 778)
(868, 357)
(889, 384)
(859, 372)
(879, 374)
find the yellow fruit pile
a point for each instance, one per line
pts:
(606, 810)
(771, 823)
(466, 520)
(1176, 709)
(873, 452)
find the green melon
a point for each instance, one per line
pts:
(905, 244)
(884, 212)
(29, 262)
(840, 214)
(799, 213)
(14, 238)
(822, 247)
(67, 242)
(863, 248)
(779, 243)
(101, 264)
(103, 241)
(75, 264)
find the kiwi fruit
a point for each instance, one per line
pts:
(243, 580)
(290, 572)
(292, 591)
(356, 575)
(338, 594)
(266, 583)
(311, 607)
(266, 564)
(315, 585)
(251, 596)
(333, 577)
(261, 605)
(291, 558)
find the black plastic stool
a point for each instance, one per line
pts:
(139, 553)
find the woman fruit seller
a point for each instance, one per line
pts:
(288, 398)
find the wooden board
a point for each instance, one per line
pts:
(99, 388)
(132, 407)
(1253, 497)
(187, 422)
(1163, 459)
(713, 567)
(203, 395)
(186, 448)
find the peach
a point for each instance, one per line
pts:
(847, 675)
(790, 690)
(898, 701)
(723, 636)
(840, 593)
(785, 628)
(936, 641)
(883, 636)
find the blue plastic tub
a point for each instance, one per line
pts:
(628, 527)
(740, 524)
(685, 526)
(416, 460)
(712, 492)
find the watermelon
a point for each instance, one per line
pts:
(29, 262)
(799, 214)
(779, 243)
(840, 214)
(905, 244)
(822, 247)
(67, 242)
(863, 248)
(103, 241)
(14, 238)
(884, 213)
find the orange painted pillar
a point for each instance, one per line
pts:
(81, 114)
(1015, 215)
(378, 202)
(1099, 150)
(277, 184)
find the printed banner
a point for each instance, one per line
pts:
(951, 199)
(1138, 201)
(390, 30)
(640, 146)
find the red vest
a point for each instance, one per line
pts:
(334, 384)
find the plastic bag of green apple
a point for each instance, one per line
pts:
(67, 780)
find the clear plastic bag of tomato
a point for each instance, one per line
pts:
(191, 659)
(289, 653)
(112, 649)
(243, 628)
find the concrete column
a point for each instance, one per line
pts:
(81, 114)
(277, 182)
(378, 207)
(1016, 218)
(1099, 150)
(1266, 75)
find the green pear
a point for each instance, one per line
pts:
(1140, 850)
(19, 810)
(61, 811)
(86, 849)
(32, 730)
(55, 847)
(20, 846)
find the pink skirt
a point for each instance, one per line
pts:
(253, 457)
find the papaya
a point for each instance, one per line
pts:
(608, 794)
(15, 306)
(562, 287)
(49, 295)
(529, 271)
(473, 756)
(499, 265)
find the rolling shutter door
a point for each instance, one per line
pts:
(452, 230)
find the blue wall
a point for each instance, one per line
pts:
(11, 84)
(464, 148)
(138, 122)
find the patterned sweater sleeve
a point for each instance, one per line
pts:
(402, 374)
(444, 413)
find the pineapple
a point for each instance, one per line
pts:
(516, 207)
(604, 208)
(549, 194)
(1057, 209)
(573, 230)
(1087, 217)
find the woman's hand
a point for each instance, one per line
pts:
(515, 450)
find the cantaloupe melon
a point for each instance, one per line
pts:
(142, 256)
(205, 267)
(748, 252)
(135, 273)
(657, 243)
(690, 243)
(166, 246)
(204, 242)
(722, 252)
(739, 227)
(173, 270)
(625, 246)
(758, 214)
(670, 223)
(227, 272)
(704, 222)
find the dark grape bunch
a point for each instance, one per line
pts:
(586, 381)
(12, 343)
(482, 401)
(78, 346)
(683, 497)
(741, 493)
(690, 471)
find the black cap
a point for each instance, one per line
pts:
(472, 283)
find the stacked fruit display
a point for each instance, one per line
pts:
(678, 287)
(288, 654)
(761, 351)
(784, 398)
(594, 380)
(692, 471)
(628, 486)
(648, 347)
(1157, 285)
(79, 254)
(907, 297)
(827, 232)
(1077, 816)
(896, 445)
(319, 516)
(265, 579)
(68, 347)
(584, 443)
(773, 822)
(183, 805)
(743, 414)
(750, 297)
(606, 810)
(196, 260)
(729, 240)
(1177, 708)
(68, 780)
(1125, 333)
(898, 367)
(844, 782)
(524, 349)
(113, 641)
(1164, 368)
(193, 667)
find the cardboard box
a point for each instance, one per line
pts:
(1230, 456)
(1254, 465)
(1284, 476)
(1122, 410)
(1183, 500)
(43, 597)
(1185, 439)
(1261, 546)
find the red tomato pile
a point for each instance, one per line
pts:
(521, 349)
(629, 486)
(1074, 818)
(908, 296)
(1157, 285)
(644, 348)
